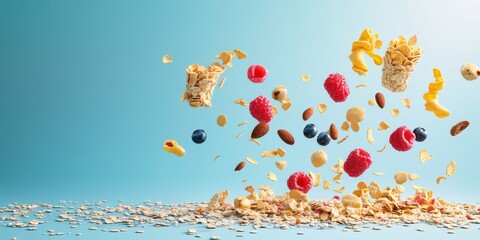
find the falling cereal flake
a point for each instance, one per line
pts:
(339, 190)
(378, 173)
(372, 102)
(383, 126)
(240, 102)
(255, 141)
(239, 135)
(242, 123)
(406, 102)
(424, 156)
(274, 110)
(370, 136)
(361, 85)
(316, 178)
(240, 54)
(305, 77)
(226, 58)
(412, 176)
(216, 158)
(345, 126)
(167, 59)
(395, 112)
(384, 147)
(326, 185)
(338, 178)
(286, 105)
(251, 160)
(281, 152)
(281, 164)
(272, 176)
(338, 168)
(452, 166)
(220, 85)
(269, 153)
(440, 179)
(322, 107)
(343, 140)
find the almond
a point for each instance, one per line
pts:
(240, 166)
(286, 136)
(380, 99)
(260, 130)
(333, 131)
(307, 113)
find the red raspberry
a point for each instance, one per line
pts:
(357, 162)
(261, 109)
(337, 87)
(257, 73)
(300, 181)
(402, 139)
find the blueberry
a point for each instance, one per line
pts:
(323, 139)
(420, 134)
(310, 131)
(199, 136)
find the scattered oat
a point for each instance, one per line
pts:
(242, 123)
(370, 136)
(239, 135)
(322, 107)
(424, 156)
(383, 148)
(406, 102)
(241, 102)
(300, 233)
(372, 102)
(255, 141)
(452, 166)
(167, 59)
(139, 231)
(220, 85)
(343, 140)
(361, 85)
(272, 176)
(378, 173)
(305, 77)
(383, 126)
(251, 160)
(395, 112)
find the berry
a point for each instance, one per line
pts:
(358, 161)
(299, 181)
(310, 131)
(199, 136)
(402, 139)
(261, 109)
(337, 87)
(323, 139)
(420, 134)
(257, 73)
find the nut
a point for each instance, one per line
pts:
(260, 130)
(307, 113)
(286, 136)
(459, 127)
(333, 131)
(380, 99)
(240, 166)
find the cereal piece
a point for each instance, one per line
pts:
(216, 202)
(338, 178)
(452, 166)
(305, 78)
(401, 177)
(338, 168)
(250, 189)
(351, 200)
(424, 156)
(406, 102)
(326, 184)
(343, 140)
(221, 120)
(286, 105)
(384, 147)
(361, 85)
(430, 97)
(395, 112)
(226, 58)
(372, 102)
(274, 110)
(167, 59)
(366, 43)
(239, 135)
(172, 146)
(412, 176)
(319, 158)
(242, 123)
(470, 71)
(255, 141)
(220, 85)
(345, 126)
(459, 127)
(355, 115)
(322, 107)
(241, 102)
(272, 177)
(378, 173)
(383, 126)
(281, 152)
(281, 164)
(240, 54)
(216, 158)
(370, 136)
(269, 153)
(240, 166)
(251, 160)
(440, 179)
(242, 203)
(280, 94)
(201, 82)
(316, 178)
(339, 190)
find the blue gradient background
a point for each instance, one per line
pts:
(86, 103)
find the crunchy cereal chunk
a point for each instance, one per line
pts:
(424, 156)
(345, 126)
(319, 158)
(305, 77)
(395, 112)
(240, 54)
(326, 184)
(412, 176)
(241, 102)
(167, 59)
(269, 153)
(383, 126)
(322, 107)
(281, 152)
(401, 177)
(452, 166)
(218, 200)
(272, 176)
(281, 164)
(406, 102)
(351, 200)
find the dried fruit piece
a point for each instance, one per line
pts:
(383, 126)
(305, 77)
(299, 181)
(380, 99)
(319, 158)
(452, 166)
(272, 176)
(322, 107)
(333, 131)
(307, 113)
(406, 102)
(424, 156)
(167, 59)
(240, 166)
(370, 136)
(286, 136)
(345, 126)
(395, 112)
(222, 120)
(459, 127)
(281, 164)
(440, 179)
(251, 160)
(401, 177)
(260, 130)
(172, 146)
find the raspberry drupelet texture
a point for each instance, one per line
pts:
(300, 181)
(358, 161)
(337, 87)
(261, 109)
(257, 73)
(402, 139)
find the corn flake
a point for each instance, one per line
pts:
(383, 126)
(167, 59)
(326, 185)
(281, 152)
(226, 58)
(316, 178)
(241, 102)
(322, 107)
(281, 164)
(452, 166)
(305, 77)
(395, 112)
(406, 102)
(286, 105)
(269, 153)
(424, 156)
(240, 54)
(412, 176)
(338, 168)
(372, 102)
(345, 126)
(338, 178)
(370, 136)
(339, 190)
(272, 177)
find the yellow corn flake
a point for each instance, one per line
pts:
(281, 164)
(339, 190)
(216, 158)
(406, 102)
(240, 54)
(366, 43)
(255, 141)
(372, 102)
(378, 173)
(383, 126)
(338, 168)
(440, 179)
(220, 85)
(370, 136)
(343, 140)
(305, 77)
(430, 97)
(345, 126)
(338, 178)
(362, 185)
(251, 160)
(383, 149)
(412, 176)
(452, 166)
(326, 185)
(322, 107)
(226, 58)
(316, 178)
(242, 123)
(361, 85)
(395, 112)
(424, 156)
(401, 177)
(281, 152)
(272, 176)
(286, 105)
(241, 102)
(269, 153)
(239, 135)
(167, 59)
